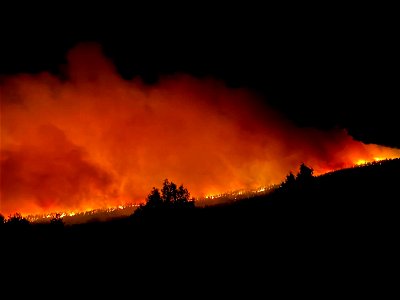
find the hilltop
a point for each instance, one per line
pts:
(344, 212)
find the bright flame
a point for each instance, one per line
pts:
(83, 213)
(96, 140)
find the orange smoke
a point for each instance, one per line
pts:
(96, 140)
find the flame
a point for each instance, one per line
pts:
(83, 213)
(361, 162)
(95, 140)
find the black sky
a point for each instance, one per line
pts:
(321, 67)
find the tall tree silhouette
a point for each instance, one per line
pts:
(154, 198)
(169, 192)
(182, 196)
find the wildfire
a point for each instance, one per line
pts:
(84, 213)
(364, 161)
(96, 140)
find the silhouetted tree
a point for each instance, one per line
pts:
(305, 171)
(305, 175)
(176, 196)
(290, 181)
(182, 196)
(170, 197)
(169, 192)
(303, 178)
(154, 198)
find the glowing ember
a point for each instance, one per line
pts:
(96, 140)
(86, 213)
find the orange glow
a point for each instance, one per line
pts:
(361, 162)
(98, 141)
(84, 213)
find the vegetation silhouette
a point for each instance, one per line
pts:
(56, 226)
(303, 178)
(16, 221)
(169, 207)
(350, 212)
(305, 174)
(171, 197)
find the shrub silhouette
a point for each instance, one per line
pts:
(290, 181)
(171, 197)
(57, 221)
(17, 221)
(16, 225)
(305, 174)
(303, 178)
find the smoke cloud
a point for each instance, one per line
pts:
(95, 140)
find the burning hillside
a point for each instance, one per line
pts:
(92, 140)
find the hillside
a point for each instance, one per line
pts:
(342, 213)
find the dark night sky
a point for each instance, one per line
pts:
(321, 68)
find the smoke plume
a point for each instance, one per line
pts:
(92, 139)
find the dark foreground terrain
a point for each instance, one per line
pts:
(346, 221)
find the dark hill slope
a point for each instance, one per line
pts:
(348, 216)
(361, 201)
